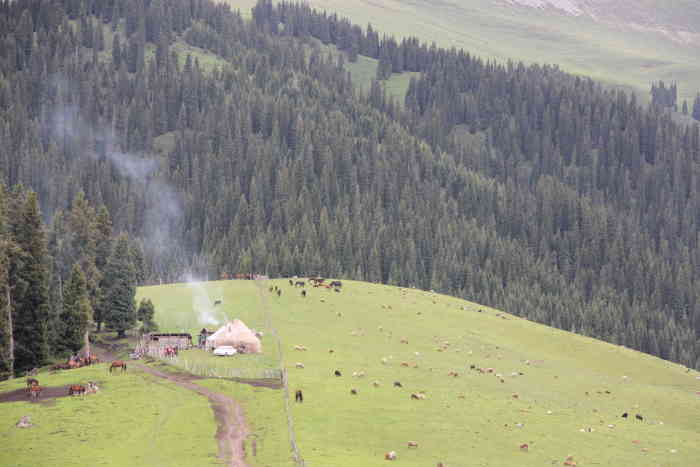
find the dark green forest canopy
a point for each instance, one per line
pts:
(520, 187)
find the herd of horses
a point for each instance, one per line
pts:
(34, 389)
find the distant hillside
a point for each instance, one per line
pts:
(625, 42)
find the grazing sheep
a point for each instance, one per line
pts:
(404, 364)
(300, 348)
(353, 391)
(375, 384)
(384, 361)
(413, 444)
(417, 396)
(299, 365)
(358, 374)
(454, 374)
(404, 340)
(397, 384)
(390, 456)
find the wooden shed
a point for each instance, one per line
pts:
(179, 340)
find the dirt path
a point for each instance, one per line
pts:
(232, 429)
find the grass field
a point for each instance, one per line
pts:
(622, 55)
(134, 420)
(561, 408)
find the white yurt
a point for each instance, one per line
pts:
(236, 334)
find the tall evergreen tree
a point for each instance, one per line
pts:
(77, 312)
(120, 293)
(30, 298)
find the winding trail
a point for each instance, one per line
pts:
(232, 429)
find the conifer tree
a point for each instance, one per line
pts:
(120, 289)
(145, 315)
(77, 312)
(31, 297)
(6, 338)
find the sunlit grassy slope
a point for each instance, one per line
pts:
(609, 51)
(558, 405)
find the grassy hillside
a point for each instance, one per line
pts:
(629, 45)
(567, 401)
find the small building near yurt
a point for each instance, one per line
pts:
(237, 335)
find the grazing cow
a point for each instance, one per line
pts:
(454, 374)
(390, 456)
(299, 365)
(624, 415)
(303, 293)
(35, 392)
(524, 447)
(404, 364)
(353, 391)
(78, 389)
(639, 417)
(413, 444)
(32, 382)
(92, 388)
(337, 373)
(299, 396)
(118, 364)
(397, 384)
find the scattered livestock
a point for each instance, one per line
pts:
(279, 292)
(291, 282)
(32, 382)
(24, 422)
(390, 456)
(300, 348)
(358, 374)
(412, 444)
(625, 415)
(299, 365)
(417, 396)
(92, 388)
(337, 373)
(397, 384)
(639, 417)
(299, 396)
(300, 284)
(524, 447)
(336, 284)
(217, 302)
(303, 293)
(117, 364)
(353, 391)
(77, 389)
(375, 384)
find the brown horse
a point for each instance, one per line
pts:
(78, 389)
(32, 382)
(35, 392)
(118, 364)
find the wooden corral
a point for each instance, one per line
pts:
(179, 340)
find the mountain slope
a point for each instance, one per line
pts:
(625, 43)
(571, 390)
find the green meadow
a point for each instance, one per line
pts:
(560, 393)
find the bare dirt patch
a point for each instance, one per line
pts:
(21, 395)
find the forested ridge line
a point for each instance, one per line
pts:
(519, 187)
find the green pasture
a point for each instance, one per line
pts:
(558, 406)
(134, 420)
(618, 55)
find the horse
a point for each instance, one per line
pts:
(299, 396)
(78, 389)
(32, 382)
(35, 392)
(118, 364)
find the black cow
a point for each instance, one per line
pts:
(639, 417)
(303, 293)
(299, 396)
(337, 373)
(624, 415)
(397, 384)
